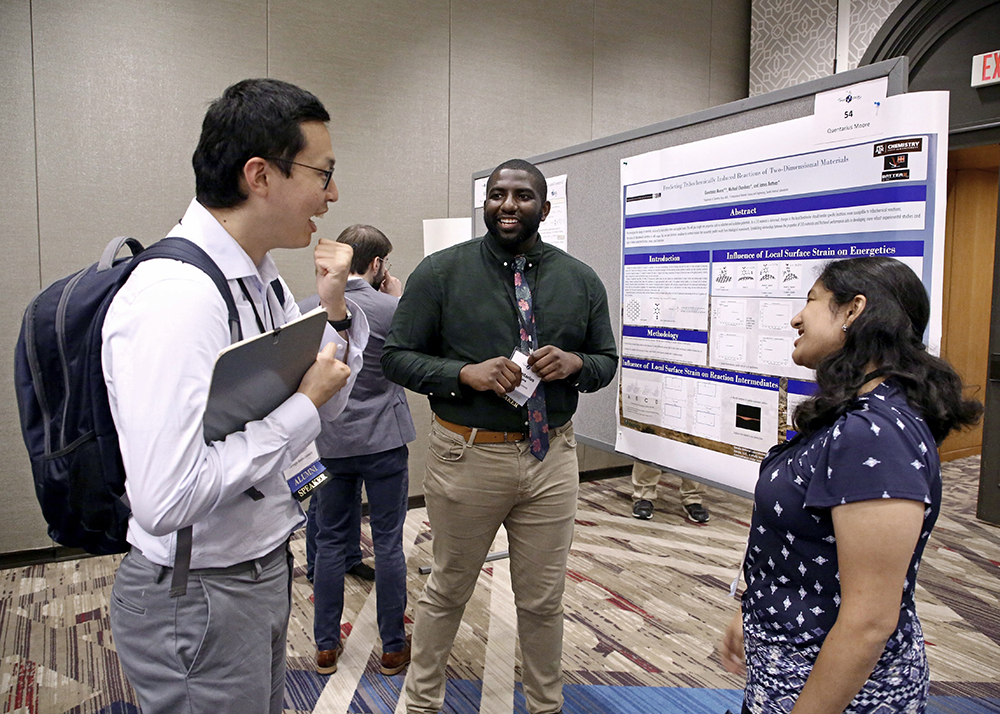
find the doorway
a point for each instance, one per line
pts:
(970, 240)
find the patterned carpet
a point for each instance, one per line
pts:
(646, 603)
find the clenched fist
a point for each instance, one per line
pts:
(551, 363)
(333, 265)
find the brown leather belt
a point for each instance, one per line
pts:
(483, 436)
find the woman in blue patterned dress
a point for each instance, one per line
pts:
(843, 511)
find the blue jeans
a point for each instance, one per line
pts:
(386, 480)
(354, 541)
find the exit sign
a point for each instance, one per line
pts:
(986, 69)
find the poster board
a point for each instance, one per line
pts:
(594, 208)
(722, 241)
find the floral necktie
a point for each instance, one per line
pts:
(538, 422)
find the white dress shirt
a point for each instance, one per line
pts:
(162, 334)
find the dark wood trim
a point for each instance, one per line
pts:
(58, 553)
(41, 556)
(988, 504)
(960, 453)
(609, 472)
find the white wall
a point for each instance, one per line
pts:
(103, 100)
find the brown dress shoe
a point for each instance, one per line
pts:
(395, 662)
(326, 660)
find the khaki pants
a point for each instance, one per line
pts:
(645, 479)
(470, 490)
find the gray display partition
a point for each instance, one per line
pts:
(593, 186)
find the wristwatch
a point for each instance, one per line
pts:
(344, 324)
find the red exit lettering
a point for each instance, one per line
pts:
(993, 72)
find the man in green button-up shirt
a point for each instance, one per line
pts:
(452, 338)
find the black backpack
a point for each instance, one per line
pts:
(63, 401)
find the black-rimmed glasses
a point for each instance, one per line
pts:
(327, 173)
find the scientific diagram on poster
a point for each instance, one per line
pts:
(722, 240)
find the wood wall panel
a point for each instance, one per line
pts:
(970, 238)
(730, 75)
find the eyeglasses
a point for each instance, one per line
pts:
(385, 264)
(327, 173)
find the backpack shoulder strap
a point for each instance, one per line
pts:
(279, 291)
(184, 250)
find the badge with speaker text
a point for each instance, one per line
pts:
(306, 473)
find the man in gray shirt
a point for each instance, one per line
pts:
(366, 443)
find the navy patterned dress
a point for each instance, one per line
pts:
(879, 449)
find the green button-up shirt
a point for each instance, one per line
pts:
(458, 308)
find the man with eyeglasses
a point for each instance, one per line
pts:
(263, 170)
(365, 444)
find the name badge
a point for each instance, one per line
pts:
(529, 380)
(306, 473)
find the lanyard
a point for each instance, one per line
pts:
(253, 306)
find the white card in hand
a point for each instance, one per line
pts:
(529, 380)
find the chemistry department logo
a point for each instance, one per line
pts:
(898, 147)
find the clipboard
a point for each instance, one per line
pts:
(255, 376)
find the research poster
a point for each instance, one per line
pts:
(722, 240)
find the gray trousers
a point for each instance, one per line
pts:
(219, 649)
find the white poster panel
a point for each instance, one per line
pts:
(722, 240)
(441, 233)
(553, 230)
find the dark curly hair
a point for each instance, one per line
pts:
(888, 334)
